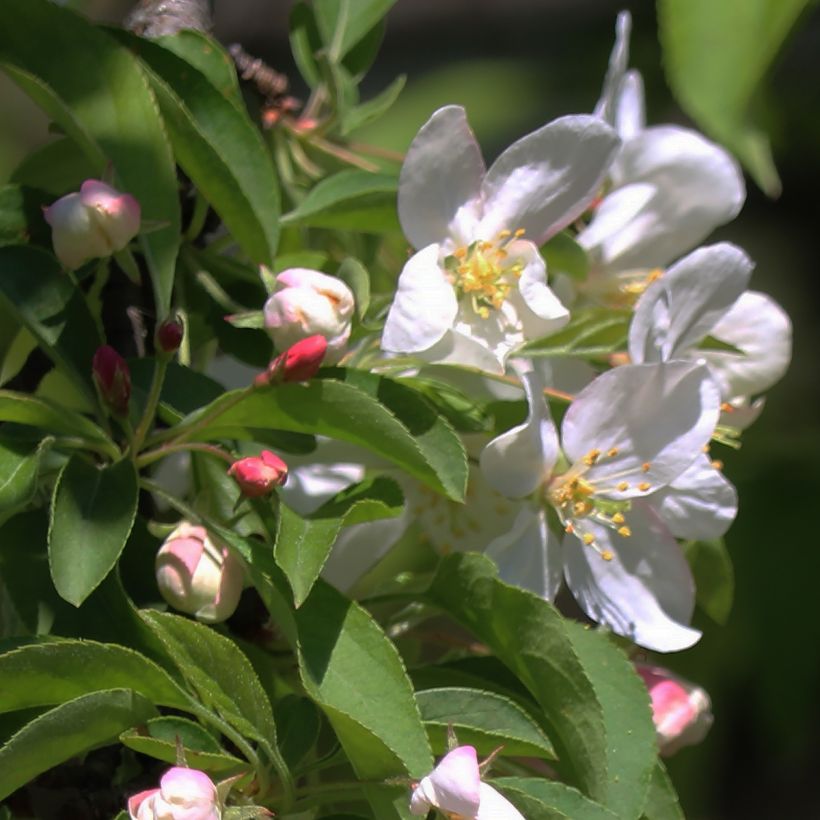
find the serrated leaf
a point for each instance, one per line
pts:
(304, 543)
(371, 411)
(592, 333)
(68, 730)
(662, 800)
(299, 722)
(58, 671)
(374, 108)
(482, 719)
(92, 513)
(714, 576)
(344, 23)
(119, 122)
(352, 200)
(543, 799)
(564, 255)
(19, 468)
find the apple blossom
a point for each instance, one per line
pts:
(306, 303)
(299, 363)
(455, 788)
(94, 222)
(258, 475)
(681, 711)
(183, 794)
(477, 286)
(198, 574)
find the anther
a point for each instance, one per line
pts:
(612, 452)
(618, 518)
(591, 457)
(625, 532)
(505, 234)
(519, 233)
(644, 486)
(622, 486)
(717, 464)
(607, 555)
(588, 538)
(646, 466)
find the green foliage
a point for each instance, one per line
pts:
(714, 576)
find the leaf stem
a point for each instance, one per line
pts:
(160, 367)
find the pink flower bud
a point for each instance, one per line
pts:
(198, 574)
(183, 794)
(257, 476)
(113, 379)
(681, 711)
(298, 363)
(306, 303)
(94, 222)
(168, 336)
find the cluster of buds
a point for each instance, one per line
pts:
(299, 363)
(258, 475)
(198, 574)
(91, 223)
(183, 794)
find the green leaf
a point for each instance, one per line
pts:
(92, 513)
(344, 23)
(371, 411)
(19, 468)
(714, 576)
(55, 167)
(591, 333)
(158, 738)
(564, 255)
(68, 730)
(183, 391)
(299, 723)
(716, 56)
(304, 42)
(483, 719)
(354, 274)
(352, 670)
(21, 216)
(543, 799)
(61, 670)
(37, 291)
(374, 108)
(218, 147)
(350, 200)
(119, 122)
(662, 801)
(303, 544)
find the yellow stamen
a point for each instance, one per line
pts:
(618, 518)
(646, 466)
(644, 486)
(607, 555)
(622, 486)
(588, 538)
(625, 532)
(612, 452)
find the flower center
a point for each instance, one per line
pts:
(484, 271)
(622, 290)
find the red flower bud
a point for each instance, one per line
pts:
(258, 475)
(298, 363)
(168, 336)
(112, 378)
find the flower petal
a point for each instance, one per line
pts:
(684, 305)
(544, 312)
(424, 308)
(700, 503)
(546, 179)
(462, 347)
(645, 592)
(618, 62)
(453, 787)
(517, 462)
(529, 555)
(630, 114)
(494, 806)
(653, 418)
(440, 180)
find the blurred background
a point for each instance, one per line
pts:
(515, 65)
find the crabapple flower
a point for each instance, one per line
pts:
(704, 295)
(258, 475)
(630, 456)
(299, 363)
(455, 788)
(112, 378)
(95, 221)
(681, 711)
(183, 794)
(306, 303)
(198, 574)
(477, 286)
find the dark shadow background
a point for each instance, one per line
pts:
(515, 65)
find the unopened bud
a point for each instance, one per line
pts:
(681, 711)
(168, 336)
(306, 303)
(258, 475)
(94, 222)
(298, 363)
(198, 574)
(183, 794)
(112, 378)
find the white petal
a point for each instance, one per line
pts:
(494, 806)
(529, 555)
(544, 312)
(699, 187)
(310, 485)
(462, 347)
(630, 116)
(758, 327)
(645, 592)
(686, 303)
(441, 176)
(546, 179)
(453, 786)
(616, 225)
(700, 503)
(518, 461)
(655, 415)
(618, 62)
(424, 308)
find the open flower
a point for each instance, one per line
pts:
(183, 794)
(477, 287)
(455, 788)
(627, 476)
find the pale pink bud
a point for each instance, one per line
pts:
(257, 476)
(308, 303)
(94, 222)
(183, 794)
(681, 711)
(168, 335)
(298, 363)
(198, 574)
(113, 379)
